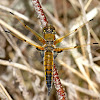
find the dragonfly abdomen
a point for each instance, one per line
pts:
(48, 65)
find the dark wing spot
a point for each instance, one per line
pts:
(12, 13)
(25, 40)
(75, 47)
(91, 20)
(95, 43)
(38, 49)
(59, 51)
(75, 29)
(7, 31)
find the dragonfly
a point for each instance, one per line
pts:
(48, 50)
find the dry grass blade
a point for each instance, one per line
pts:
(4, 93)
(16, 13)
(20, 66)
(83, 90)
(17, 33)
(75, 72)
(21, 69)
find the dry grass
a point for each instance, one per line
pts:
(21, 69)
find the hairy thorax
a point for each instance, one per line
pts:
(49, 46)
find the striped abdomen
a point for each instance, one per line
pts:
(48, 65)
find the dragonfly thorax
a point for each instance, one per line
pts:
(49, 48)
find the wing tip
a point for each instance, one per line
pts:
(11, 13)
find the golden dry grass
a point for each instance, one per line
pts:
(21, 69)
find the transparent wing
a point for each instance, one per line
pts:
(40, 38)
(73, 47)
(24, 38)
(60, 39)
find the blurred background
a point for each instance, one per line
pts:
(21, 65)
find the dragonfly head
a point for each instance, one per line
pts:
(49, 33)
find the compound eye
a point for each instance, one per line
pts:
(43, 31)
(52, 30)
